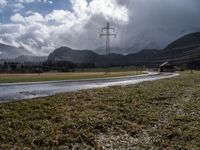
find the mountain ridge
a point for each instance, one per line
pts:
(185, 49)
(179, 51)
(11, 52)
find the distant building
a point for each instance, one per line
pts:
(167, 67)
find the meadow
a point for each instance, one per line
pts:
(164, 114)
(55, 76)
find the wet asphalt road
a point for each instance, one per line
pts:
(13, 91)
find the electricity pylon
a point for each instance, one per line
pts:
(106, 31)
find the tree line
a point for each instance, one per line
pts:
(39, 67)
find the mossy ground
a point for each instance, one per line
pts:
(164, 114)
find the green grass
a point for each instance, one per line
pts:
(13, 78)
(163, 114)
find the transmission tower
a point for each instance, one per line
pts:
(108, 32)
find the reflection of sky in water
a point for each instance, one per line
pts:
(28, 91)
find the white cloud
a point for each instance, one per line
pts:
(25, 1)
(17, 18)
(139, 23)
(109, 9)
(50, 2)
(61, 16)
(42, 34)
(18, 7)
(34, 1)
(3, 3)
(33, 17)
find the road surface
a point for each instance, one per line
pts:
(18, 91)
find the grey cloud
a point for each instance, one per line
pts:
(150, 24)
(160, 22)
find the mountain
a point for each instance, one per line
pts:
(119, 50)
(83, 56)
(10, 52)
(87, 56)
(184, 50)
(143, 57)
(116, 50)
(26, 58)
(188, 40)
(76, 56)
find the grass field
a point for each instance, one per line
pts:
(12, 78)
(113, 69)
(163, 114)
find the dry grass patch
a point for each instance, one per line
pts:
(13, 78)
(163, 114)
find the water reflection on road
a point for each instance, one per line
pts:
(41, 89)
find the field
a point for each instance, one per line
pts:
(163, 114)
(12, 78)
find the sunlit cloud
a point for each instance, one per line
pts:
(140, 24)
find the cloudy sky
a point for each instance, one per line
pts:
(43, 25)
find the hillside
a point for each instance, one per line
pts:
(184, 50)
(116, 50)
(76, 56)
(26, 58)
(10, 52)
(189, 40)
(83, 56)
(87, 56)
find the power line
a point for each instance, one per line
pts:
(106, 31)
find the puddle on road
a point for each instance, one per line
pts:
(29, 91)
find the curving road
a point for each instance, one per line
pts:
(17, 91)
